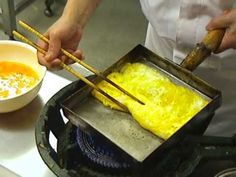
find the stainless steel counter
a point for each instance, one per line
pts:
(18, 151)
(9, 9)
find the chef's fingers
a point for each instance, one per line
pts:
(41, 56)
(51, 65)
(54, 47)
(55, 64)
(222, 21)
(229, 40)
(78, 54)
(42, 44)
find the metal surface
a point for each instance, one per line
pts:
(19, 152)
(120, 128)
(6, 172)
(8, 16)
(9, 10)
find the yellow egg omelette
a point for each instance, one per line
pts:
(167, 107)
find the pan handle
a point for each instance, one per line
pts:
(210, 43)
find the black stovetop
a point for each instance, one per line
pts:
(211, 168)
(194, 157)
(189, 159)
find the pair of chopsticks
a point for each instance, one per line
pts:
(71, 70)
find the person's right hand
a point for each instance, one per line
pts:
(62, 34)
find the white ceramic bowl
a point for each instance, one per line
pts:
(23, 53)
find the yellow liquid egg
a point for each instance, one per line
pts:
(168, 106)
(15, 79)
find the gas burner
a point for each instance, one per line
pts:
(77, 159)
(77, 153)
(102, 152)
(73, 156)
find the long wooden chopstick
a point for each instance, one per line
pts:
(71, 70)
(98, 73)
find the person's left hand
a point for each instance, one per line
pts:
(226, 20)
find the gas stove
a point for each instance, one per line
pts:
(78, 153)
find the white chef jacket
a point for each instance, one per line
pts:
(175, 26)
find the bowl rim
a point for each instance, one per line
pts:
(44, 69)
(19, 43)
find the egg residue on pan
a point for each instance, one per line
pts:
(168, 106)
(15, 79)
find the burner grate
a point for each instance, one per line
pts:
(101, 152)
(179, 162)
(78, 159)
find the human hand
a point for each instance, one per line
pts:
(62, 34)
(226, 20)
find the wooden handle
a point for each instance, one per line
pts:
(213, 39)
(209, 44)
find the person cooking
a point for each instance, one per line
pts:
(175, 26)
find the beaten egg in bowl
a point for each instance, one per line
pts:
(15, 79)
(21, 75)
(168, 106)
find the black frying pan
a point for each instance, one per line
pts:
(85, 111)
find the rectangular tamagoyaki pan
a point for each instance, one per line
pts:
(85, 111)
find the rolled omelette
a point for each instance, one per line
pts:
(168, 106)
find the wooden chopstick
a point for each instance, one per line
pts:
(71, 70)
(98, 73)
